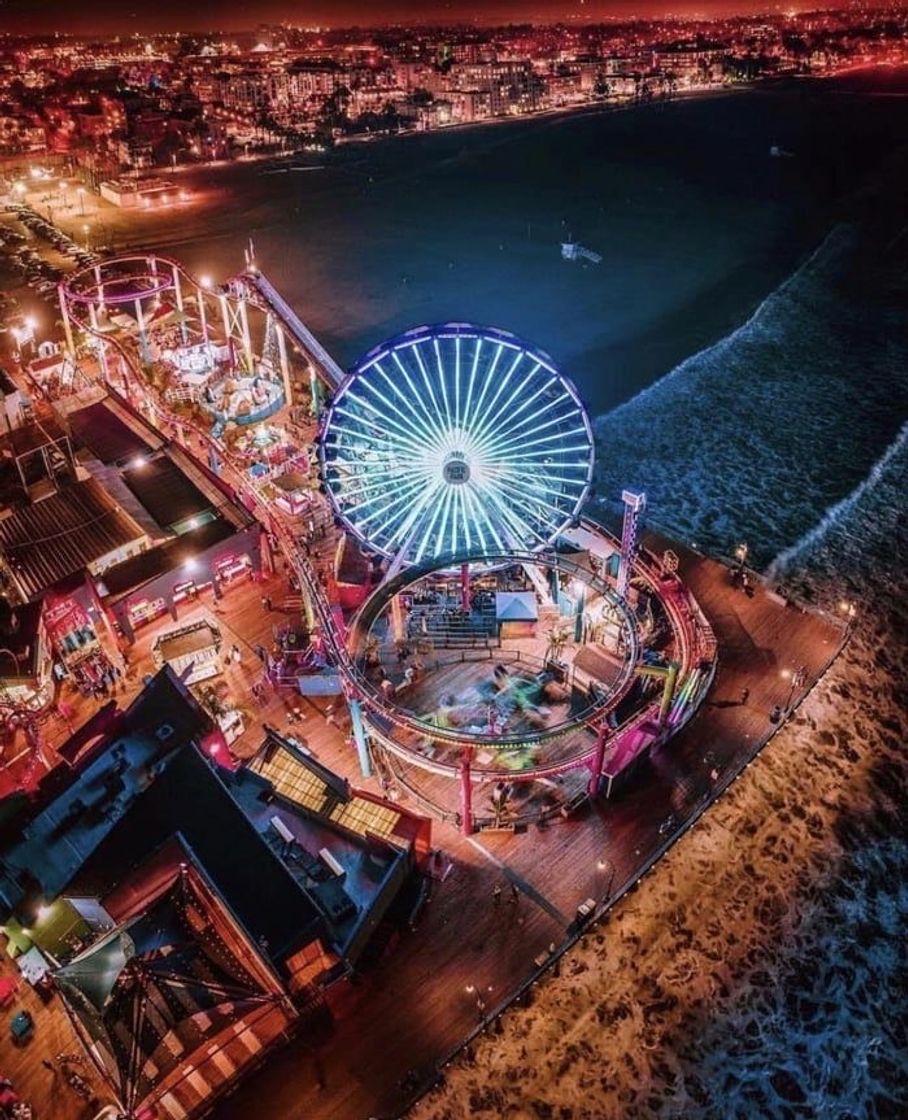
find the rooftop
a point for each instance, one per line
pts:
(106, 435)
(49, 540)
(165, 491)
(77, 816)
(190, 798)
(166, 983)
(146, 566)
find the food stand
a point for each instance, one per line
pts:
(193, 647)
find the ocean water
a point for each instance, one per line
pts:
(695, 222)
(753, 438)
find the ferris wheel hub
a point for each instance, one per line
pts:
(456, 469)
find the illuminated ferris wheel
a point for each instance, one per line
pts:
(456, 440)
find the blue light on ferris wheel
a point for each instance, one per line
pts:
(457, 439)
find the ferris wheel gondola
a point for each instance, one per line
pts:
(456, 440)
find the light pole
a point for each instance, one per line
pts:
(795, 678)
(81, 193)
(605, 865)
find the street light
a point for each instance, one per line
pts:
(604, 864)
(85, 229)
(81, 193)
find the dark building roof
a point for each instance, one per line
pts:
(108, 437)
(156, 989)
(78, 807)
(146, 566)
(19, 635)
(166, 492)
(189, 798)
(60, 535)
(31, 437)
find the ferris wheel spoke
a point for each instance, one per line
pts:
(457, 382)
(394, 502)
(473, 368)
(431, 418)
(411, 418)
(503, 445)
(482, 514)
(487, 381)
(481, 423)
(442, 381)
(507, 413)
(396, 432)
(427, 381)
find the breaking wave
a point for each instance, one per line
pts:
(783, 418)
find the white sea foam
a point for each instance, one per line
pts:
(752, 438)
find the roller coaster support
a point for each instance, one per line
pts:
(669, 675)
(466, 793)
(598, 759)
(359, 736)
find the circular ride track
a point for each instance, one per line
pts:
(524, 743)
(120, 280)
(456, 439)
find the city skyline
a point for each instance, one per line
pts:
(112, 17)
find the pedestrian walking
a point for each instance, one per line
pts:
(235, 654)
(266, 602)
(514, 895)
(496, 895)
(745, 693)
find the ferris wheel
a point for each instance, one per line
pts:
(456, 440)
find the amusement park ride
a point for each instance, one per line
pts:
(459, 460)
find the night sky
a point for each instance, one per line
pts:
(45, 16)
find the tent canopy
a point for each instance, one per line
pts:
(516, 606)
